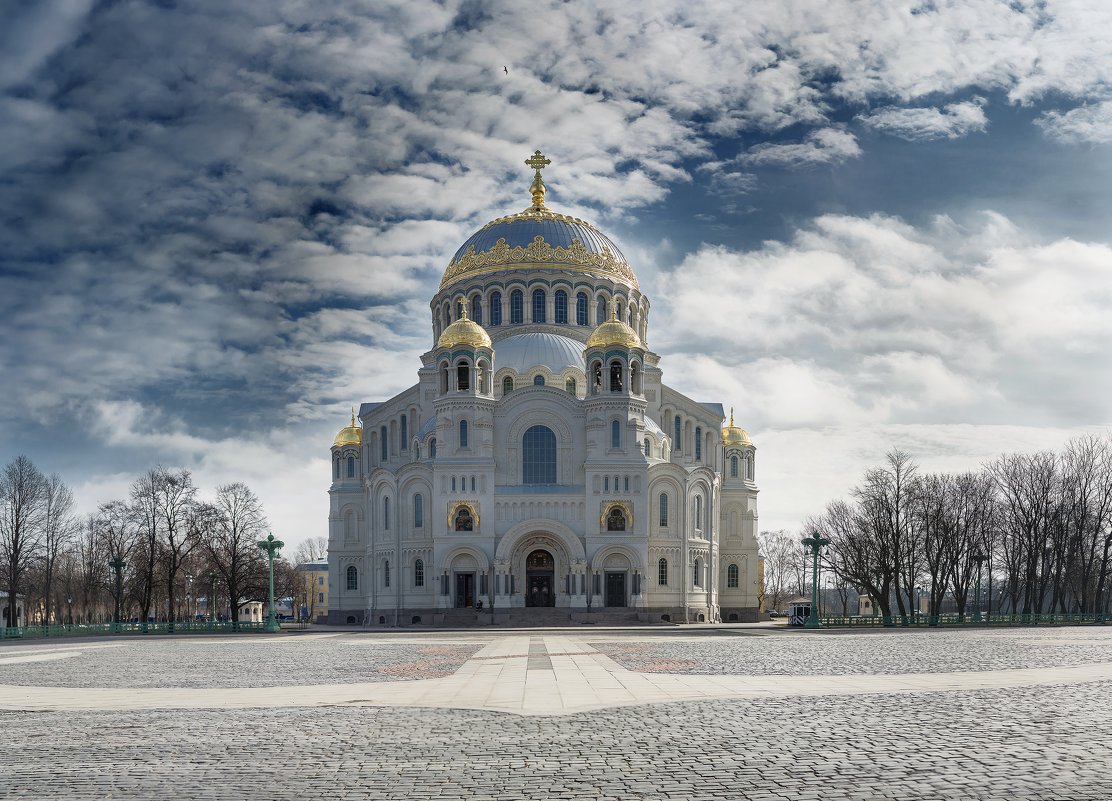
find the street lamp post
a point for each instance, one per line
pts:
(118, 564)
(271, 546)
(816, 544)
(212, 597)
(978, 557)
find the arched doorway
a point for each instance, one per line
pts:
(540, 579)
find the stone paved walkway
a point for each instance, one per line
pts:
(580, 724)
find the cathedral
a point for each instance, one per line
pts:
(540, 460)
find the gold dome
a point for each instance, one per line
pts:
(464, 332)
(613, 333)
(349, 435)
(734, 435)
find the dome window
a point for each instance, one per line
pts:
(539, 302)
(581, 309)
(615, 376)
(477, 309)
(517, 307)
(538, 380)
(561, 307)
(463, 376)
(507, 385)
(496, 308)
(569, 385)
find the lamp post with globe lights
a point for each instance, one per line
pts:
(816, 543)
(271, 546)
(978, 557)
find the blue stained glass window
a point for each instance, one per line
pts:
(698, 443)
(463, 433)
(538, 380)
(405, 432)
(386, 513)
(733, 467)
(385, 443)
(351, 467)
(418, 511)
(600, 312)
(432, 448)
(496, 308)
(615, 434)
(477, 310)
(517, 307)
(561, 307)
(663, 509)
(538, 305)
(676, 439)
(581, 308)
(538, 456)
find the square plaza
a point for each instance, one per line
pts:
(649, 713)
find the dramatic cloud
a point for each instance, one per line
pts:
(919, 124)
(827, 146)
(1087, 124)
(231, 217)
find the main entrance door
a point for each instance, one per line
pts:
(540, 579)
(465, 590)
(615, 589)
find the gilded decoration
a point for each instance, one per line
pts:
(464, 332)
(734, 435)
(613, 333)
(463, 513)
(349, 435)
(609, 506)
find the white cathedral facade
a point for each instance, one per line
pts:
(540, 460)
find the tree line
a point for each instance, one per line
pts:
(176, 548)
(1036, 526)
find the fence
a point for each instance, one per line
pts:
(953, 619)
(92, 629)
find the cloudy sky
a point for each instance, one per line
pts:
(863, 224)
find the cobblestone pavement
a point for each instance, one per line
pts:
(939, 651)
(1018, 743)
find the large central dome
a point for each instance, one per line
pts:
(538, 237)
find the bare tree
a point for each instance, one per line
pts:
(180, 526)
(859, 551)
(781, 555)
(311, 550)
(145, 512)
(237, 524)
(118, 527)
(22, 513)
(58, 528)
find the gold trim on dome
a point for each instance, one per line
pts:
(536, 252)
(613, 332)
(735, 435)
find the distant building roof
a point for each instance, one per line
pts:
(317, 566)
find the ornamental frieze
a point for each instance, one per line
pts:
(537, 252)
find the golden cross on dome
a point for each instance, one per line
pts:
(538, 162)
(731, 417)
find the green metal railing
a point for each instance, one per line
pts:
(953, 619)
(94, 629)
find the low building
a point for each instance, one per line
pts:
(312, 605)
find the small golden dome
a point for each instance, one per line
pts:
(734, 435)
(349, 435)
(613, 333)
(464, 332)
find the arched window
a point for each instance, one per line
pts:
(352, 578)
(463, 376)
(507, 385)
(615, 434)
(697, 573)
(648, 447)
(447, 314)
(538, 456)
(384, 443)
(418, 511)
(496, 308)
(386, 573)
(676, 439)
(386, 513)
(561, 307)
(419, 573)
(463, 433)
(517, 307)
(615, 376)
(405, 432)
(581, 308)
(336, 468)
(699, 511)
(664, 509)
(749, 467)
(444, 371)
(662, 572)
(616, 520)
(731, 576)
(432, 448)
(477, 309)
(351, 467)
(538, 380)
(618, 309)
(538, 305)
(569, 385)
(606, 483)
(733, 467)
(698, 443)
(600, 311)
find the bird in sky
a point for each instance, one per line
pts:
(506, 70)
